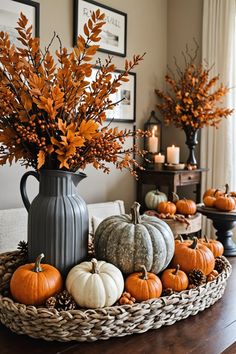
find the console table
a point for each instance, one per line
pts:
(212, 331)
(170, 178)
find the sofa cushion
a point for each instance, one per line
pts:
(13, 226)
(13, 222)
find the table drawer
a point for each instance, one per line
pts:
(190, 178)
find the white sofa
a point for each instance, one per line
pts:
(13, 222)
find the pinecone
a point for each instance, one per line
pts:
(196, 277)
(23, 247)
(219, 264)
(51, 302)
(167, 292)
(64, 301)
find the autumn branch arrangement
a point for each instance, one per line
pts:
(52, 115)
(192, 99)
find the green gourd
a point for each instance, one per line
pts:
(129, 241)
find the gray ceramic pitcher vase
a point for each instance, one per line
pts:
(57, 219)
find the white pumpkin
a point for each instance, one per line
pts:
(153, 198)
(95, 284)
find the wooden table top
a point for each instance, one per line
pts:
(212, 331)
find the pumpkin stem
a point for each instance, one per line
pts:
(206, 239)
(144, 274)
(135, 216)
(194, 244)
(179, 237)
(176, 269)
(174, 197)
(94, 266)
(226, 188)
(37, 265)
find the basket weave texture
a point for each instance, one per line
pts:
(114, 321)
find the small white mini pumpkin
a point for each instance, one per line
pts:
(95, 284)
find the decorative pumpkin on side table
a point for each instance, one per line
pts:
(95, 284)
(143, 285)
(153, 198)
(128, 241)
(225, 203)
(186, 207)
(166, 208)
(33, 283)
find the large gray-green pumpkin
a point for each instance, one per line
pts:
(153, 198)
(129, 241)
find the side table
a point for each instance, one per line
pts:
(170, 178)
(223, 222)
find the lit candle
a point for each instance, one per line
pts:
(153, 142)
(159, 158)
(173, 154)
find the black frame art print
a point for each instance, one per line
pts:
(10, 12)
(125, 110)
(113, 35)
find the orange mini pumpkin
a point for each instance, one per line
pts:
(166, 208)
(186, 207)
(225, 203)
(215, 246)
(209, 201)
(213, 192)
(33, 283)
(143, 285)
(174, 279)
(193, 256)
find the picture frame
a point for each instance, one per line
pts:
(125, 111)
(114, 32)
(10, 12)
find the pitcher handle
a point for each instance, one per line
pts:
(23, 192)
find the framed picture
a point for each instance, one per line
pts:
(113, 35)
(10, 12)
(125, 110)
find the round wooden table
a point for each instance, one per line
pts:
(224, 223)
(193, 225)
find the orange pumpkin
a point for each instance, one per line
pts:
(33, 283)
(215, 246)
(209, 201)
(213, 192)
(179, 239)
(212, 275)
(193, 256)
(166, 208)
(233, 195)
(174, 279)
(143, 285)
(225, 203)
(186, 207)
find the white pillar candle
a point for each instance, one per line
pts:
(173, 154)
(159, 158)
(153, 142)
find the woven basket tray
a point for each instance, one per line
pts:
(115, 321)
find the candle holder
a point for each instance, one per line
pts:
(152, 144)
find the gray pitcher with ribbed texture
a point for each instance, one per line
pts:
(57, 219)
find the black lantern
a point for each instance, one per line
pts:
(152, 144)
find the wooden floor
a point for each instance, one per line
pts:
(212, 331)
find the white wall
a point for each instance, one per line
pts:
(147, 32)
